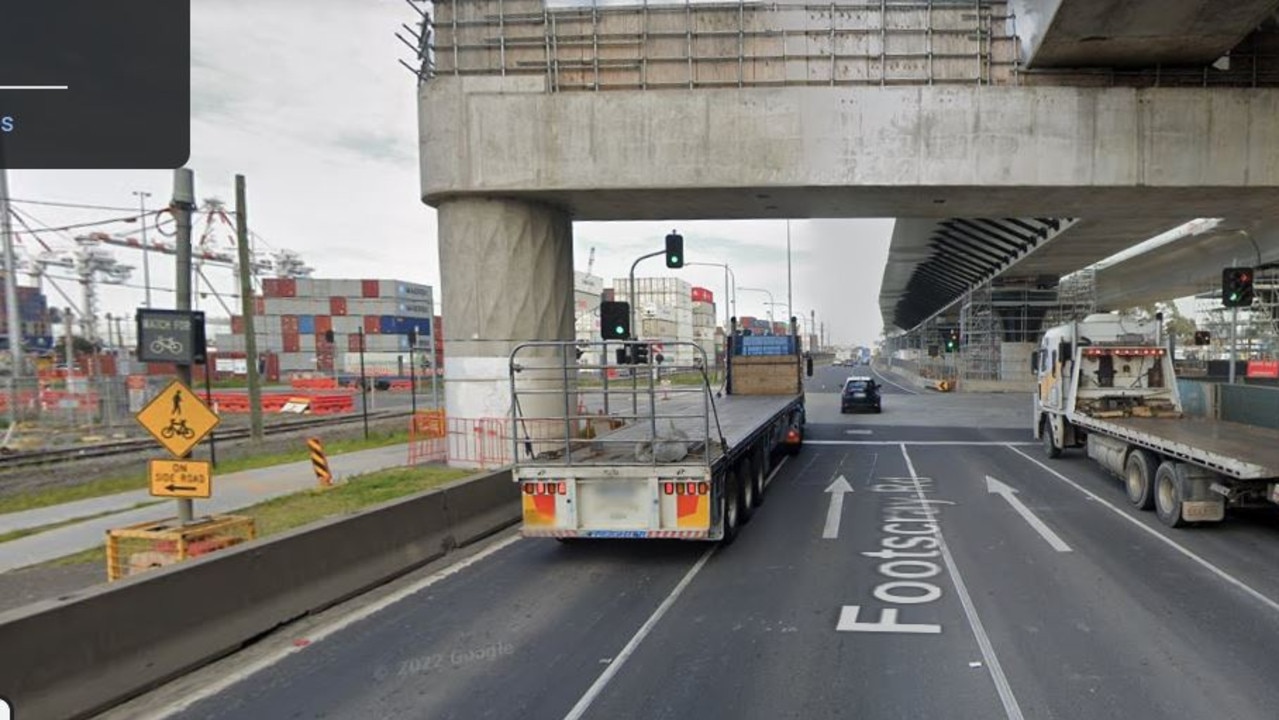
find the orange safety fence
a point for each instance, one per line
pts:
(314, 383)
(53, 400)
(330, 403)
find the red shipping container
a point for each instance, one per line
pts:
(372, 324)
(259, 306)
(292, 343)
(324, 362)
(237, 324)
(337, 306)
(288, 287)
(271, 287)
(353, 342)
(369, 288)
(701, 294)
(289, 324)
(323, 323)
(273, 367)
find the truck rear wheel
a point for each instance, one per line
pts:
(730, 508)
(746, 484)
(1139, 479)
(1051, 448)
(1167, 497)
(759, 475)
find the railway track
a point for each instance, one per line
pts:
(37, 458)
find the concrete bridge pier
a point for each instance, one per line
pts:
(506, 272)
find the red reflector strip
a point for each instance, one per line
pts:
(668, 488)
(692, 489)
(703, 488)
(563, 488)
(530, 488)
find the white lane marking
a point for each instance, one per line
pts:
(996, 487)
(917, 442)
(314, 636)
(603, 680)
(837, 491)
(1011, 708)
(1231, 579)
(859, 432)
(769, 480)
(890, 382)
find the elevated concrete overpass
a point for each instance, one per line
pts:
(1134, 33)
(533, 117)
(1187, 266)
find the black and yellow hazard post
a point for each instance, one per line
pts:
(320, 462)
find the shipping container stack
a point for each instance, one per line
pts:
(294, 315)
(587, 294)
(664, 307)
(704, 323)
(33, 309)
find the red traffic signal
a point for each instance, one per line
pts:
(1236, 287)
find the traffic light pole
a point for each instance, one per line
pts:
(630, 291)
(1234, 345)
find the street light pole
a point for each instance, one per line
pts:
(146, 264)
(630, 293)
(790, 311)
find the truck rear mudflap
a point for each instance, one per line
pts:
(640, 502)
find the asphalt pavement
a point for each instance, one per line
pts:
(957, 574)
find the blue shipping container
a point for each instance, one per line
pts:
(306, 324)
(404, 325)
(387, 324)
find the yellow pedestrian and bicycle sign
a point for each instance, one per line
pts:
(181, 478)
(178, 418)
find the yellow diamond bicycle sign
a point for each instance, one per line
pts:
(178, 418)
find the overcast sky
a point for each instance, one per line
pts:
(306, 99)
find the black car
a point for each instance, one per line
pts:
(859, 392)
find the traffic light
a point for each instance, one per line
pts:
(328, 336)
(639, 354)
(952, 341)
(412, 337)
(1203, 337)
(615, 320)
(674, 250)
(1236, 287)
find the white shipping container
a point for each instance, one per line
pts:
(375, 363)
(386, 343)
(306, 343)
(403, 289)
(372, 306)
(267, 324)
(415, 309)
(347, 324)
(297, 362)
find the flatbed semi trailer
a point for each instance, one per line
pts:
(663, 459)
(1108, 384)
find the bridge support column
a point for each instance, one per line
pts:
(506, 276)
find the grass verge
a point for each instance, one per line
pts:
(138, 481)
(287, 512)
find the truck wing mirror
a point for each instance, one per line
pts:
(1034, 362)
(809, 366)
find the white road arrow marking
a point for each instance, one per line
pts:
(998, 488)
(837, 490)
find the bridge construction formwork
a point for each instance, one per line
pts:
(584, 45)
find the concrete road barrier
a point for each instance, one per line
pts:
(81, 654)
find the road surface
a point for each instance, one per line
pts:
(965, 577)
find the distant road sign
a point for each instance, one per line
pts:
(171, 336)
(181, 478)
(178, 418)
